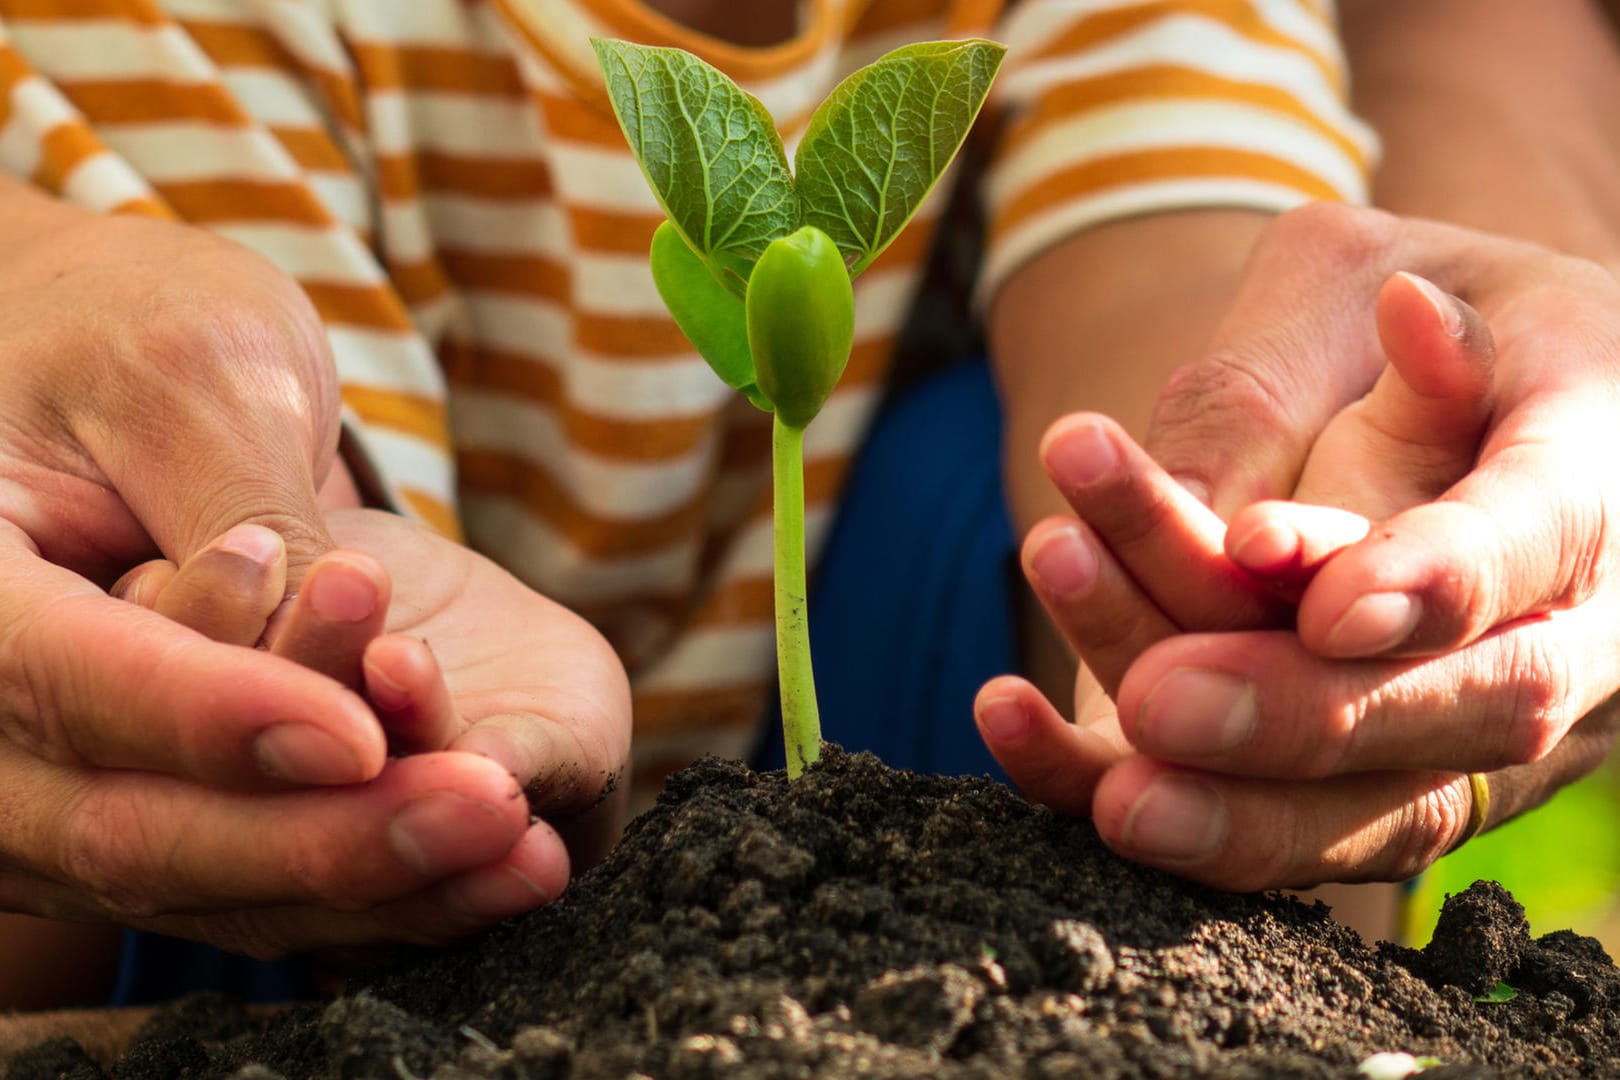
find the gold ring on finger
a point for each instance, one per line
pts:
(1479, 809)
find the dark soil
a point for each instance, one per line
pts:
(871, 923)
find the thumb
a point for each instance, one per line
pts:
(1418, 431)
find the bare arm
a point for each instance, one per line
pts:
(1494, 114)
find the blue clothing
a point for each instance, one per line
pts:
(910, 613)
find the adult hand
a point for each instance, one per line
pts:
(465, 667)
(169, 387)
(1468, 633)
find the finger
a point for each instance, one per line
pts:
(1524, 532)
(1050, 760)
(92, 680)
(1282, 545)
(1419, 429)
(1261, 704)
(1101, 611)
(142, 585)
(1243, 834)
(141, 845)
(1437, 390)
(533, 873)
(227, 591)
(341, 608)
(1163, 537)
(407, 690)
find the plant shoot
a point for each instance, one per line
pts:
(756, 260)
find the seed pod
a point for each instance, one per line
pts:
(708, 314)
(801, 321)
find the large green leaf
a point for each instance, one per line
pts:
(709, 150)
(878, 144)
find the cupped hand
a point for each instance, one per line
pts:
(178, 401)
(466, 668)
(1463, 622)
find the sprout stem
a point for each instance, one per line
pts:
(801, 721)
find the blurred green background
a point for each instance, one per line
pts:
(1561, 861)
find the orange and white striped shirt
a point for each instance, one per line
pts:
(447, 182)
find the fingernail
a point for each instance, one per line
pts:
(441, 833)
(1445, 306)
(1375, 623)
(1064, 564)
(136, 593)
(1083, 455)
(1004, 719)
(1176, 819)
(491, 895)
(254, 542)
(1197, 713)
(303, 754)
(342, 597)
(385, 692)
(1267, 547)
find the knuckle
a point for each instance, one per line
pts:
(1222, 387)
(1270, 866)
(1588, 544)
(1336, 231)
(1539, 677)
(1428, 827)
(313, 870)
(44, 683)
(1100, 631)
(1466, 598)
(1338, 743)
(109, 852)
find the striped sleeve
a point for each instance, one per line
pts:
(1119, 109)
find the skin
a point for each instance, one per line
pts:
(153, 771)
(85, 499)
(1509, 566)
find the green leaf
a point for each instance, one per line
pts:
(710, 152)
(801, 322)
(881, 140)
(712, 318)
(1497, 994)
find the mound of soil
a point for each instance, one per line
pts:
(865, 922)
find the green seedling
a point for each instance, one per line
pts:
(756, 259)
(1498, 994)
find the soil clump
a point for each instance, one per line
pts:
(869, 923)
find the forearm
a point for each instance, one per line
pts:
(1495, 114)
